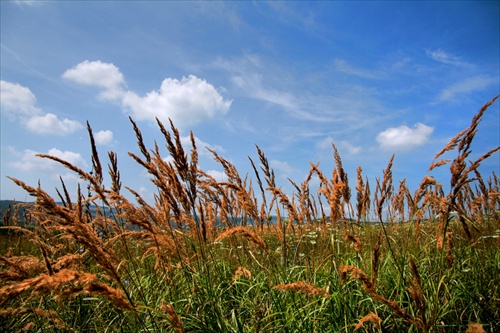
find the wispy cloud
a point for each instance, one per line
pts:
(466, 86)
(404, 138)
(446, 58)
(18, 103)
(342, 66)
(30, 3)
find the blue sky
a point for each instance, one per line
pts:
(374, 78)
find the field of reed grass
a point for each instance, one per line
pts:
(243, 256)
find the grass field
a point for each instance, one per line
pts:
(212, 256)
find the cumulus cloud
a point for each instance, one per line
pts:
(51, 124)
(103, 138)
(187, 101)
(466, 86)
(28, 161)
(97, 73)
(18, 103)
(403, 137)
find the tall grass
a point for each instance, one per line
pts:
(206, 256)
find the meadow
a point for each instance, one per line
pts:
(243, 256)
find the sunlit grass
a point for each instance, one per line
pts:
(205, 257)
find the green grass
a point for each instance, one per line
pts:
(203, 258)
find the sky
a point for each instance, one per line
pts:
(375, 78)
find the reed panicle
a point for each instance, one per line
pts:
(303, 287)
(242, 272)
(369, 318)
(244, 232)
(173, 317)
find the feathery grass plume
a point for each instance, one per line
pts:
(459, 170)
(356, 242)
(68, 261)
(175, 319)
(23, 266)
(245, 198)
(416, 293)
(371, 318)
(268, 172)
(44, 284)
(140, 141)
(398, 200)
(242, 272)
(376, 259)
(346, 191)
(475, 328)
(245, 232)
(67, 199)
(96, 163)
(369, 287)
(259, 182)
(283, 199)
(303, 288)
(116, 183)
(360, 208)
(385, 189)
(116, 296)
(464, 138)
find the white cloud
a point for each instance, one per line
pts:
(219, 176)
(466, 86)
(446, 58)
(187, 102)
(403, 137)
(51, 124)
(17, 100)
(100, 74)
(18, 103)
(28, 161)
(103, 138)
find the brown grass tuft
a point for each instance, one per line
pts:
(174, 318)
(246, 233)
(371, 318)
(303, 288)
(475, 328)
(242, 272)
